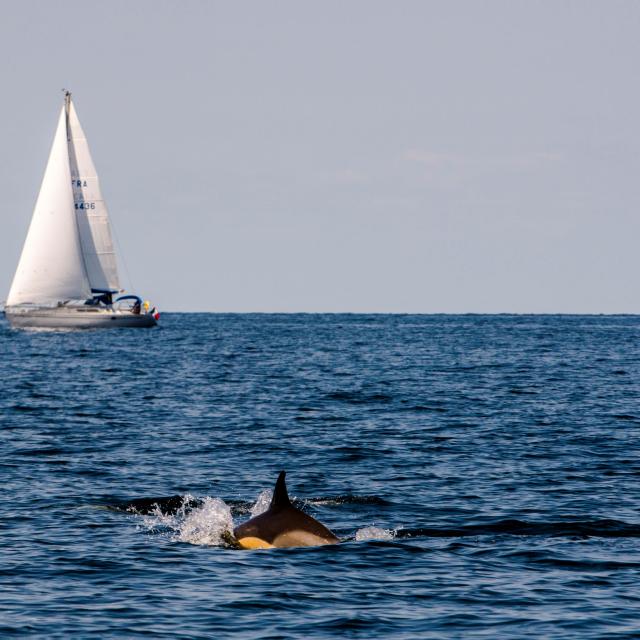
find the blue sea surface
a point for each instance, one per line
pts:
(482, 471)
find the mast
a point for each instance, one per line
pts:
(73, 169)
(67, 110)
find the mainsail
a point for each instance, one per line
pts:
(93, 218)
(51, 267)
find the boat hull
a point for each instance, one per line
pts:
(76, 318)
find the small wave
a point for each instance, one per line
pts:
(167, 505)
(373, 533)
(426, 408)
(51, 451)
(582, 528)
(626, 416)
(359, 397)
(516, 391)
(545, 558)
(348, 499)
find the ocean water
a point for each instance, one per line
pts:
(483, 473)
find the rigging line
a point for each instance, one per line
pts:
(120, 252)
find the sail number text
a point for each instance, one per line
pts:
(82, 205)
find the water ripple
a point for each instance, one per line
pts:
(479, 470)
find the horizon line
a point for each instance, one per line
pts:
(418, 313)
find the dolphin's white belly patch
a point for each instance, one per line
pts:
(299, 538)
(249, 542)
(284, 540)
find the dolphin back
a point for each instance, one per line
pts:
(282, 525)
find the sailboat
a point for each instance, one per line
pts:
(67, 275)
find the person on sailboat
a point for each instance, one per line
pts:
(104, 297)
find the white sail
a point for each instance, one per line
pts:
(51, 267)
(93, 218)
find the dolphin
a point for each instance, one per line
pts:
(282, 525)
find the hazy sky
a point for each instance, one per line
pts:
(342, 156)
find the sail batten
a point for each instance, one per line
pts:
(51, 267)
(90, 209)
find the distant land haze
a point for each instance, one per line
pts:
(363, 156)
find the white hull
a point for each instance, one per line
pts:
(83, 317)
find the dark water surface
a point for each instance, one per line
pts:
(494, 460)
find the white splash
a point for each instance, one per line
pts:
(262, 503)
(374, 533)
(208, 524)
(156, 521)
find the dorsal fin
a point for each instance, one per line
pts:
(280, 496)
